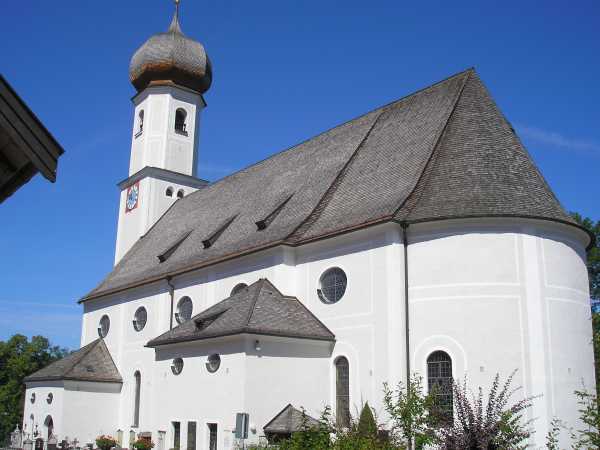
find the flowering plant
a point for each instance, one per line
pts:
(143, 444)
(105, 442)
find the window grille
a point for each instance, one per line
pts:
(342, 389)
(180, 125)
(184, 310)
(139, 319)
(104, 326)
(177, 366)
(213, 363)
(439, 382)
(332, 285)
(136, 405)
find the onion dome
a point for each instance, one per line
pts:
(173, 57)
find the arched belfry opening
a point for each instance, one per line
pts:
(48, 427)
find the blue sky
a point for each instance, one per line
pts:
(283, 71)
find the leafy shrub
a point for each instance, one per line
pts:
(589, 410)
(410, 413)
(105, 442)
(367, 427)
(491, 426)
(143, 444)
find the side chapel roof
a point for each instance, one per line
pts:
(257, 309)
(90, 363)
(444, 152)
(290, 420)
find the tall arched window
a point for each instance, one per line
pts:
(136, 406)
(180, 118)
(439, 381)
(342, 392)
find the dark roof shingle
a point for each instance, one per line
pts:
(443, 152)
(257, 309)
(290, 420)
(90, 363)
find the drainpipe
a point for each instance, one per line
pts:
(172, 295)
(404, 226)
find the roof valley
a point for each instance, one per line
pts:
(413, 198)
(305, 225)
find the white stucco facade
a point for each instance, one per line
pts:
(495, 295)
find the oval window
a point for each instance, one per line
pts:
(32, 399)
(184, 310)
(332, 285)
(139, 319)
(238, 288)
(50, 398)
(104, 326)
(177, 366)
(213, 363)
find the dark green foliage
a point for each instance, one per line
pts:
(589, 413)
(18, 359)
(593, 254)
(490, 425)
(367, 427)
(410, 413)
(553, 434)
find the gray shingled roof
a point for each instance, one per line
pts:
(443, 152)
(290, 420)
(90, 363)
(258, 309)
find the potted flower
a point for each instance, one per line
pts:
(143, 444)
(106, 442)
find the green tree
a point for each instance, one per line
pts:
(593, 254)
(589, 409)
(367, 427)
(19, 358)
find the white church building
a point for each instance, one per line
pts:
(417, 238)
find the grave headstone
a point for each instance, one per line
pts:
(27, 444)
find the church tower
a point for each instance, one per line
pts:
(170, 73)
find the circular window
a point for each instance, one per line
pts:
(177, 366)
(139, 318)
(104, 326)
(238, 288)
(332, 285)
(169, 192)
(32, 399)
(180, 193)
(50, 398)
(184, 310)
(213, 363)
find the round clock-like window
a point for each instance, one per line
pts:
(213, 363)
(139, 319)
(32, 398)
(50, 398)
(132, 197)
(332, 285)
(177, 366)
(104, 326)
(184, 310)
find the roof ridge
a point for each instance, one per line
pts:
(435, 146)
(305, 225)
(261, 283)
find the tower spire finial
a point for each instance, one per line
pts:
(174, 27)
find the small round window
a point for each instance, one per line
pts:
(169, 192)
(104, 326)
(32, 398)
(139, 319)
(332, 285)
(49, 398)
(184, 310)
(177, 366)
(238, 288)
(213, 363)
(180, 193)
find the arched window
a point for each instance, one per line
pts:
(141, 122)
(439, 382)
(169, 192)
(136, 405)
(180, 118)
(238, 288)
(49, 426)
(342, 392)
(180, 193)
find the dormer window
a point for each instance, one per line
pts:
(140, 123)
(180, 121)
